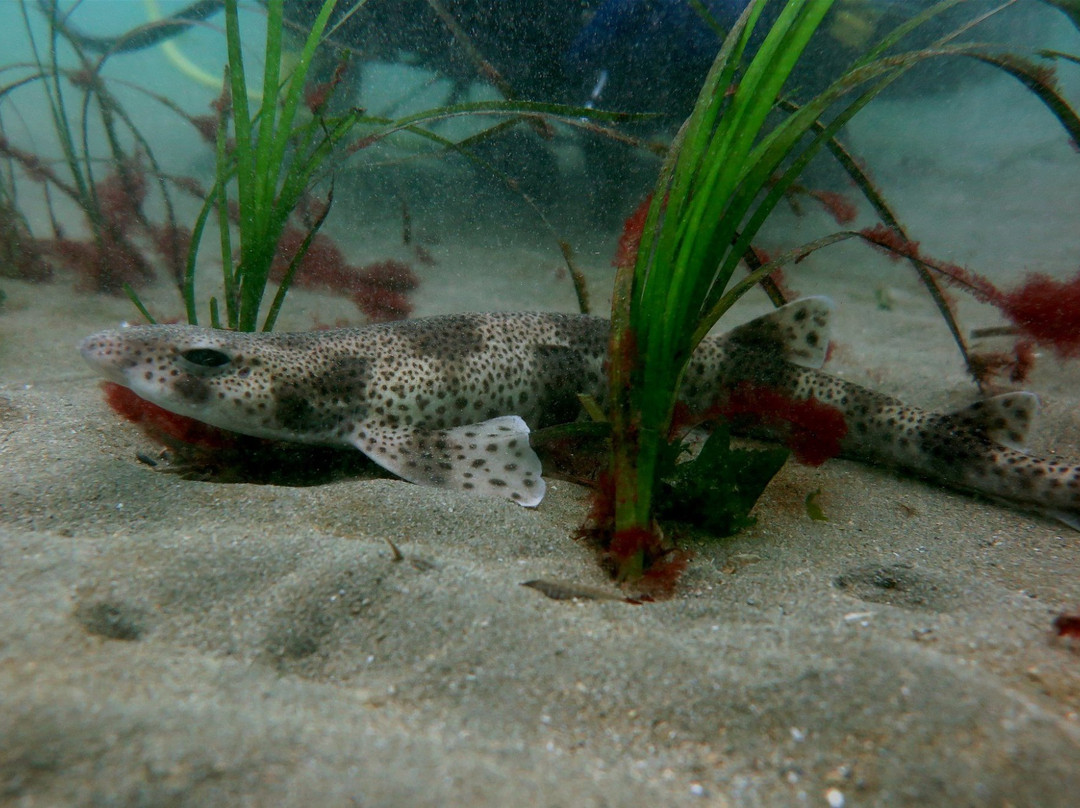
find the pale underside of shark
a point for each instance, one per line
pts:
(448, 401)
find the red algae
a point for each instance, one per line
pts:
(636, 556)
(1067, 625)
(316, 95)
(1043, 309)
(630, 239)
(642, 560)
(103, 265)
(1018, 363)
(379, 289)
(777, 277)
(812, 429)
(1046, 310)
(662, 576)
(121, 195)
(172, 244)
(1024, 353)
(21, 255)
(837, 205)
(627, 544)
(323, 265)
(162, 425)
(109, 258)
(383, 288)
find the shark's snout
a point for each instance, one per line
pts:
(102, 352)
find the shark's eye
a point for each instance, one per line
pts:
(206, 358)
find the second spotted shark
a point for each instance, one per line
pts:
(448, 401)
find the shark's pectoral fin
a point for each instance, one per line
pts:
(798, 332)
(1005, 419)
(491, 458)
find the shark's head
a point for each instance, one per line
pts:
(320, 387)
(255, 384)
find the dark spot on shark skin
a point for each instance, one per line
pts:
(319, 403)
(455, 337)
(192, 389)
(950, 446)
(294, 411)
(761, 369)
(347, 377)
(899, 585)
(760, 337)
(564, 374)
(588, 335)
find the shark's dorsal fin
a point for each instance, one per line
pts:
(798, 332)
(491, 458)
(1005, 419)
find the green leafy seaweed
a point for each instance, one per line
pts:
(718, 488)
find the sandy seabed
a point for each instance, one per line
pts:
(173, 642)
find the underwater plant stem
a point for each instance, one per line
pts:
(54, 95)
(631, 470)
(294, 264)
(220, 202)
(134, 298)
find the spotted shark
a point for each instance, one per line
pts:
(448, 401)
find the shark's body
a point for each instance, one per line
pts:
(448, 401)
